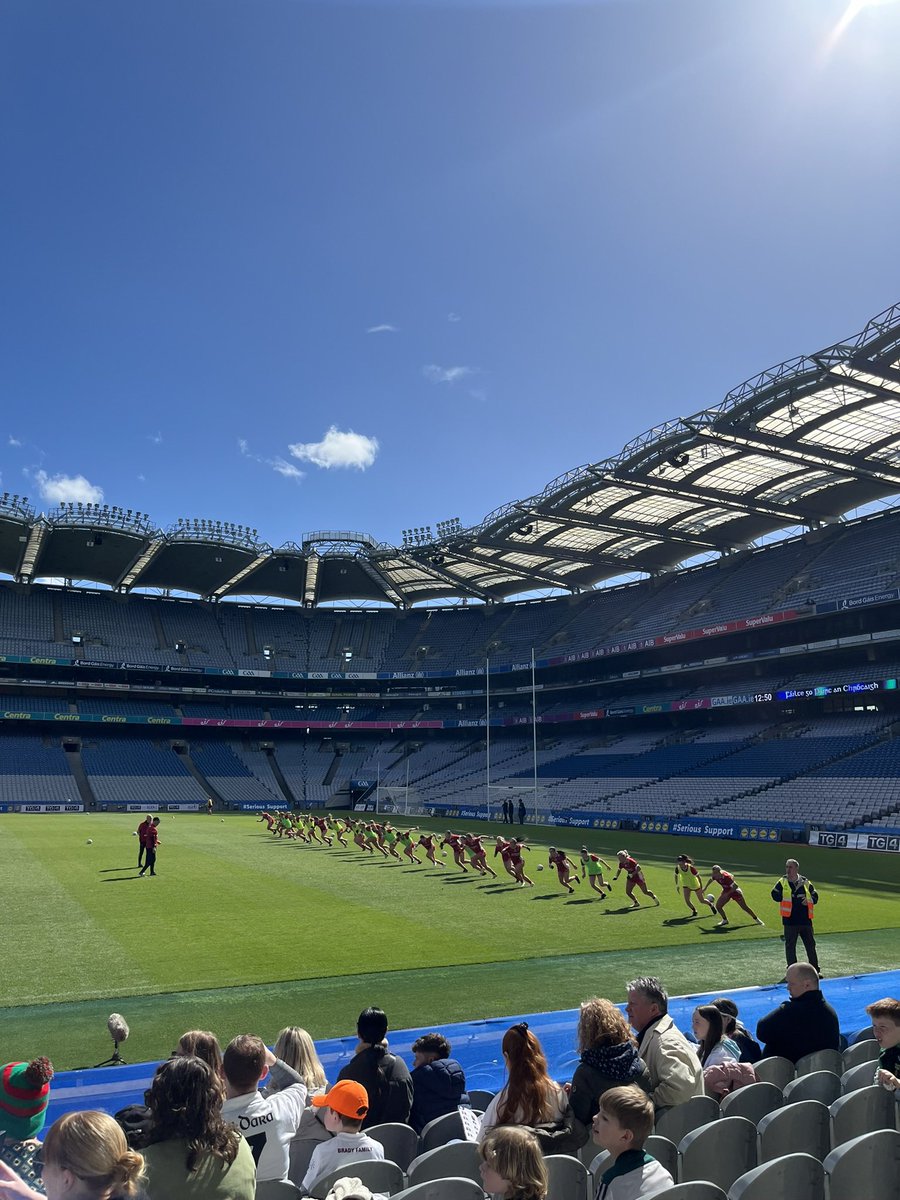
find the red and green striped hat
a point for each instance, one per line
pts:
(24, 1094)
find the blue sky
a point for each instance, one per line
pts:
(480, 243)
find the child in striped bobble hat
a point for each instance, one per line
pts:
(24, 1095)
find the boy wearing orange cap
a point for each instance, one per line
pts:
(346, 1107)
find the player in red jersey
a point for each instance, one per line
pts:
(477, 855)
(427, 842)
(265, 816)
(634, 877)
(730, 891)
(562, 862)
(455, 842)
(322, 825)
(503, 847)
(518, 863)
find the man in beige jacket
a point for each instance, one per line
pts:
(675, 1071)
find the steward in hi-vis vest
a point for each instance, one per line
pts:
(795, 896)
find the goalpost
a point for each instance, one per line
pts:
(531, 788)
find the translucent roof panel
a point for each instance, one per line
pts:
(858, 429)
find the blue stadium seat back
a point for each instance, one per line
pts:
(799, 1176)
(775, 1069)
(820, 1060)
(458, 1159)
(480, 1098)
(862, 1111)
(800, 1128)
(754, 1102)
(400, 1142)
(861, 1052)
(443, 1189)
(378, 1176)
(569, 1177)
(664, 1151)
(673, 1123)
(719, 1152)
(866, 1166)
(823, 1086)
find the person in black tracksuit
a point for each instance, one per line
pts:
(798, 891)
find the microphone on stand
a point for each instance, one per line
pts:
(118, 1031)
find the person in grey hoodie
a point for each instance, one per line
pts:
(439, 1082)
(609, 1058)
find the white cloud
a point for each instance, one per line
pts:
(288, 470)
(155, 438)
(57, 488)
(453, 317)
(338, 448)
(437, 374)
(14, 441)
(382, 329)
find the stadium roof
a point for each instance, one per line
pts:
(798, 445)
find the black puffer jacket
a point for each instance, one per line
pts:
(439, 1087)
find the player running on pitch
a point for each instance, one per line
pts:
(687, 878)
(730, 891)
(634, 877)
(562, 862)
(517, 862)
(455, 842)
(592, 865)
(478, 856)
(427, 842)
(503, 847)
(407, 843)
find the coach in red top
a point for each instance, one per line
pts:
(150, 844)
(142, 831)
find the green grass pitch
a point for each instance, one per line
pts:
(241, 931)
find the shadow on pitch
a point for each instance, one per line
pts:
(723, 928)
(106, 870)
(681, 920)
(586, 900)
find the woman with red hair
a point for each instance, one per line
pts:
(529, 1096)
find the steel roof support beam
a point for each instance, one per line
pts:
(528, 573)
(131, 576)
(241, 575)
(660, 533)
(740, 506)
(851, 465)
(37, 535)
(453, 581)
(311, 582)
(393, 593)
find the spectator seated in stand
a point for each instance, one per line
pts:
(885, 1016)
(512, 1165)
(202, 1044)
(267, 1122)
(750, 1049)
(193, 1152)
(346, 1107)
(385, 1077)
(803, 1024)
(296, 1049)
(529, 1096)
(675, 1072)
(609, 1057)
(24, 1096)
(439, 1082)
(622, 1125)
(722, 1073)
(84, 1157)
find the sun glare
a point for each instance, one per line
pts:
(849, 15)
